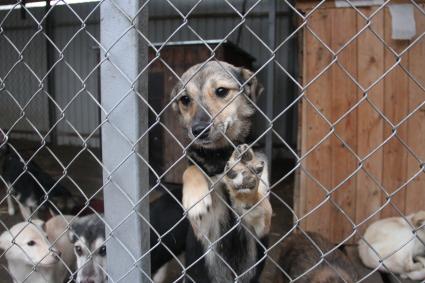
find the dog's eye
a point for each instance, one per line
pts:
(185, 100)
(102, 251)
(78, 250)
(31, 243)
(221, 91)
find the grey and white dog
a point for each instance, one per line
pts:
(88, 236)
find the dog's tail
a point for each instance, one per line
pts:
(418, 218)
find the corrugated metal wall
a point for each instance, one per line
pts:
(76, 84)
(74, 73)
(20, 83)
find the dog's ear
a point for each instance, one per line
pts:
(72, 236)
(5, 240)
(418, 218)
(40, 224)
(52, 212)
(174, 92)
(253, 87)
(75, 226)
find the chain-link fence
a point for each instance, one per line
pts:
(212, 141)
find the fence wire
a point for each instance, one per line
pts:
(76, 242)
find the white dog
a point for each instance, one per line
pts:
(26, 246)
(393, 240)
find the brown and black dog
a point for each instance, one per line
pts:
(299, 257)
(225, 190)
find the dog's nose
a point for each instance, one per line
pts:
(89, 280)
(199, 128)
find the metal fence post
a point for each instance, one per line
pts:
(270, 78)
(125, 175)
(50, 61)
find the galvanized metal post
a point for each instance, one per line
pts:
(292, 90)
(126, 121)
(270, 78)
(51, 78)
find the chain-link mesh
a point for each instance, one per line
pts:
(93, 150)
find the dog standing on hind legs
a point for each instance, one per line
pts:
(231, 220)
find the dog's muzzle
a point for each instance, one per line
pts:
(201, 130)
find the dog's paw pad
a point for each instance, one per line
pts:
(244, 177)
(243, 170)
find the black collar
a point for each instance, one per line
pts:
(212, 161)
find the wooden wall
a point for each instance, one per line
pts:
(389, 155)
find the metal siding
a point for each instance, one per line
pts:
(22, 84)
(83, 112)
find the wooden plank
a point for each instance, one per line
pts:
(415, 193)
(318, 163)
(300, 187)
(343, 96)
(306, 5)
(370, 124)
(396, 88)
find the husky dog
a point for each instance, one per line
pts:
(29, 185)
(393, 241)
(299, 255)
(39, 252)
(88, 235)
(230, 220)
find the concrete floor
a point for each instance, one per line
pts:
(86, 174)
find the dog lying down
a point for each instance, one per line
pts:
(27, 245)
(298, 255)
(393, 240)
(88, 235)
(29, 185)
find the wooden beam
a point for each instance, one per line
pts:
(305, 5)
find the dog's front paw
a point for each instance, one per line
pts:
(196, 195)
(243, 171)
(197, 205)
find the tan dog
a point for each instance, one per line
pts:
(214, 105)
(393, 240)
(299, 257)
(28, 246)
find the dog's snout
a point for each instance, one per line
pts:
(201, 129)
(89, 280)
